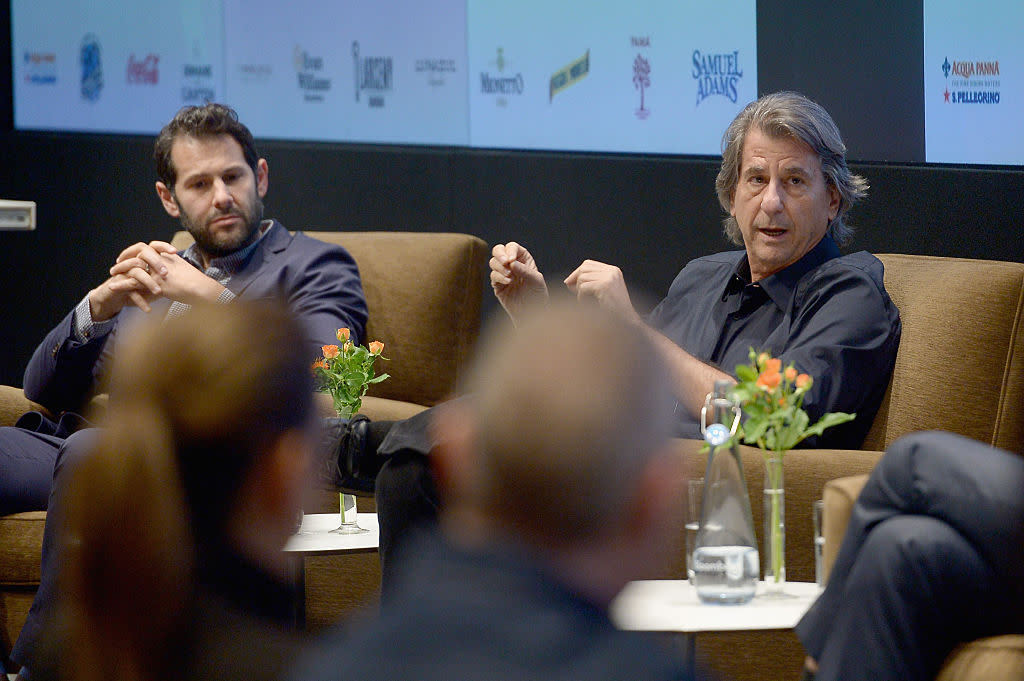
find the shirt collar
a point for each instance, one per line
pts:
(232, 262)
(781, 286)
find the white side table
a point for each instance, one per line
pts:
(672, 606)
(316, 539)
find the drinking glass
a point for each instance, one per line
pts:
(693, 508)
(819, 544)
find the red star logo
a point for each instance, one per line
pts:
(946, 94)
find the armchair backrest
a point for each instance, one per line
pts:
(960, 364)
(424, 291)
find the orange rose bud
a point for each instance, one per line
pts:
(343, 334)
(774, 364)
(330, 351)
(804, 381)
(376, 347)
(790, 374)
(769, 379)
(347, 346)
(319, 364)
(762, 358)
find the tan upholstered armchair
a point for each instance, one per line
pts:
(424, 293)
(960, 368)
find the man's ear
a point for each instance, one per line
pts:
(833, 202)
(262, 177)
(167, 198)
(659, 496)
(282, 475)
(454, 458)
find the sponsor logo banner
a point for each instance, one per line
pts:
(40, 68)
(197, 84)
(569, 75)
(971, 81)
(308, 70)
(374, 75)
(717, 73)
(641, 73)
(143, 71)
(90, 59)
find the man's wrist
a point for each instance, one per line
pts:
(84, 327)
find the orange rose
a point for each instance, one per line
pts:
(330, 351)
(790, 374)
(804, 381)
(343, 334)
(769, 379)
(376, 347)
(319, 364)
(774, 364)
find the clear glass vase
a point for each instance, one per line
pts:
(349, 519)
(347, 502)
(774, 524)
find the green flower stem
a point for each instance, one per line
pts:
(774, 468)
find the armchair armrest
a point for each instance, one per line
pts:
(13, 404)
(838, 496)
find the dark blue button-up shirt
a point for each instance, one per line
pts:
(828, 314)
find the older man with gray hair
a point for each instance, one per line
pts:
(786, 188)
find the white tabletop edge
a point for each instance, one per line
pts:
(673, 606)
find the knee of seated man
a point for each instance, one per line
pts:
(916, 549)
(76, 447)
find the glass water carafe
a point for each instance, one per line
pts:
(726, 564)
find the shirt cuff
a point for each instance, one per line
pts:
(226, 296)
(84, 328)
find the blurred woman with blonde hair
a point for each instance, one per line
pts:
(177, 518)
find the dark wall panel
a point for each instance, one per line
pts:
(647, 215)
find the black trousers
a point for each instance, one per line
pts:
(933, 556)
(405, 491)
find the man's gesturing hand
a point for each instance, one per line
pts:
(603, 283)
(515, 278)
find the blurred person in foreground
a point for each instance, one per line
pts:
(177, 518)
(559, 487)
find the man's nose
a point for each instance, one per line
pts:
(771, 199)
(222, 198)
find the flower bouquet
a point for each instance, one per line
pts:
(346, 372)
(771, 398)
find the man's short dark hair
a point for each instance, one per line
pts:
(209, 120)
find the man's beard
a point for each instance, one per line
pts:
(219, 247)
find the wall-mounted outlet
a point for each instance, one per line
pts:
(17, 214)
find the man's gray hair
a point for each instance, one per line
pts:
(790, 114)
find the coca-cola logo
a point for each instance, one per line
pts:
(144, 71)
